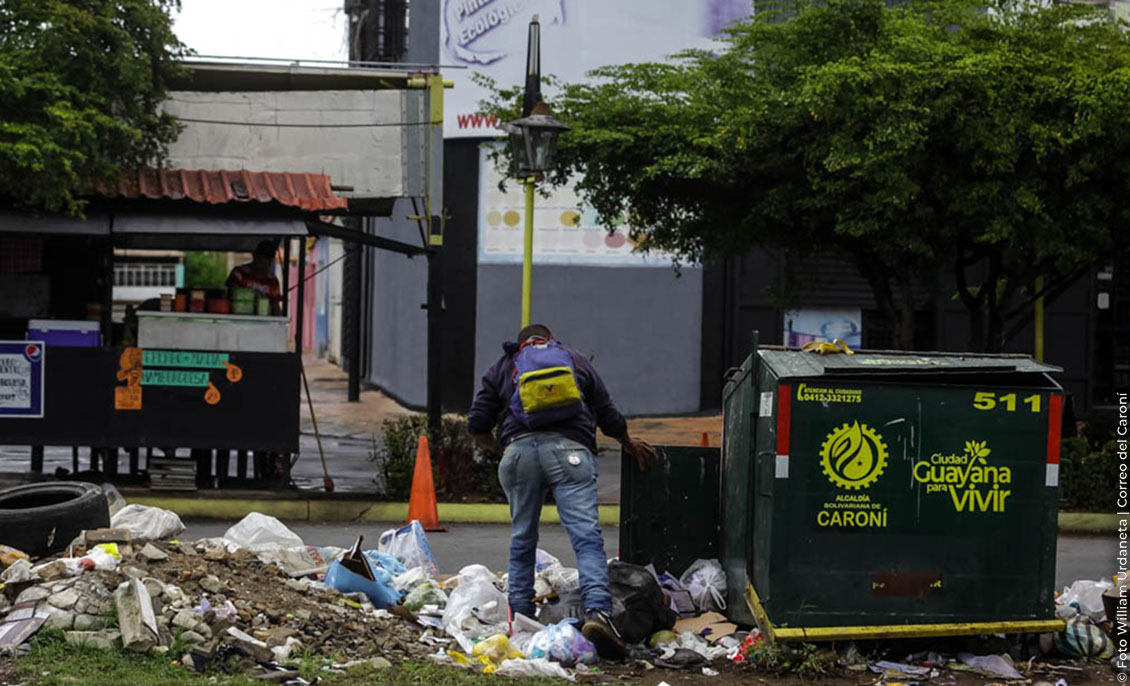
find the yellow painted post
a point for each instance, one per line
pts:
(528, 253)
(1039, 321)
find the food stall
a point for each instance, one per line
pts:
(181, 382)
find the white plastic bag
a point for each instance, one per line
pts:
(409, 545)
(1086, 597)
(706, 581)
(411, 579)
(475, 609)
(260, 533)
(147, 523)
(535, 668)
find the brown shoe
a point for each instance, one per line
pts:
(600, 631)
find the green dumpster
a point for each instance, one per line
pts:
(890, 494)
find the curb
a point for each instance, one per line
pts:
(348, 510)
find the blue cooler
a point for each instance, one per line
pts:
(77, 333)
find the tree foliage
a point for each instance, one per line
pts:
(990, 139)
(81, 82)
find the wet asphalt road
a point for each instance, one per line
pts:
(1078, 557)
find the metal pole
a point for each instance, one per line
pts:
(286, 277)
(300, 300)
(1039, 321)
(528, 253)
(352, 294)
(435, 349)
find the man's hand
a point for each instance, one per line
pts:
(641, 450)
(486, 442)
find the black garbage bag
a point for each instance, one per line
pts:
(638, 606)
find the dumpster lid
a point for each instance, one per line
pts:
(786, 362)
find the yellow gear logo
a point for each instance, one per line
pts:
(853, 456)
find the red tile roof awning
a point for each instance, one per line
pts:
(308, 192)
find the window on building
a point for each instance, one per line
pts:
(145, 274)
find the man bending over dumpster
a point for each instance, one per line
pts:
(547, 401)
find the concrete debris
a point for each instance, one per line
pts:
(135, 616)
(248, 644)
(153, 553)
(64, 599)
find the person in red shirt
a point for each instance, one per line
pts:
(259, 275)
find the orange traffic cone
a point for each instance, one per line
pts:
(422, 504)
(705, 440)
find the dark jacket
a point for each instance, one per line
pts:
(492, 404)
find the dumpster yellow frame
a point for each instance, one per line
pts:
(884, 631)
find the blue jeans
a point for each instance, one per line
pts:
(532, 465)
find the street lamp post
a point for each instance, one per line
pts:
(533, 142)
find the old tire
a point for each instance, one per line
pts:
(42, 519)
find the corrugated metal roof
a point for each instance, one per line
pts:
(793, 363)
(309, 192)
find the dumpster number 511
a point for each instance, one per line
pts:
(987, 400)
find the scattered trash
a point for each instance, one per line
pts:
(21, 624)
(710, 625)
(428, 592)
(18, 572)
(638, 606)
(496, 650)
(537, 668)
(476, 608)
(991, 665)
(358, 572)
(147, 523)
(887, 667)
(709, 672)
(1084, 638)
(409, 544)
(706, 582)
(9, 556)
(1083, 597)
(411, 579)
(679, 658)
(562, 642)
(662, 638)
(750, 646)
(259, 533)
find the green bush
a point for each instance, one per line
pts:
(1088, 476)
(461, 471)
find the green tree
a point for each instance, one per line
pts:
(205, 270)
(986, 142)
(81, 83)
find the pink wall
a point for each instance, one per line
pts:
(308, 321)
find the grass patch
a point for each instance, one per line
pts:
(54, 662)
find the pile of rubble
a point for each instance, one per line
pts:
(208, 602)
(199, 602)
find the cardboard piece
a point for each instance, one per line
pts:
(710, 625)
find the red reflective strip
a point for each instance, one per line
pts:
(1055, 427)
(784, 412)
